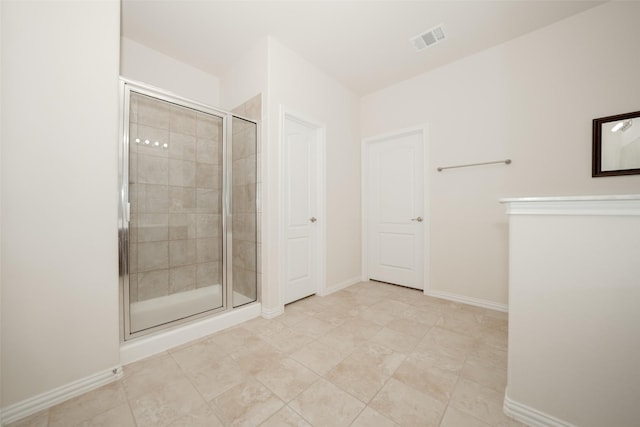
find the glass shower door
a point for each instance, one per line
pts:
(176, 225)
(244, 211)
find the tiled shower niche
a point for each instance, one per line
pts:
(176, 172)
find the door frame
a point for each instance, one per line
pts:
(320, 135)
(364, 171)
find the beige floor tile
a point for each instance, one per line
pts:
(342, 341)
(404, 295)
(395, 340)
(120, 416)
(391, 307)
(324, 404)
(451, 343)
(199, 354)
(366, 370)
(417, 360)
(263, 327)
(288, 340)
(87, 406)
(372, 418)
(480, 402)
(313, 301)
(407, 406)
(375, 316)
(358, 329)
(39, 419)
(377, 289)
(333, 316)
(292, 317)
(216, 377)
(487, 355)
(436, 382)
(492, 377)
(233, 339)
(312, 327)
(494, 337)
(285, 417)
(287, 378)
(247, 404)
(432, 302)
(255, 358)
(409, 327)
(165, 404)
(439, 358)
(187, 344)
(204, 416)
(148, 374)
(459, 321)
(364, 300)
(456, 418)
(425, 316)
(318, 357)
(488, 319)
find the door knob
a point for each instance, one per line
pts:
(313, 219)
(419, 219)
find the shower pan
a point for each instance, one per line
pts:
(188, 217)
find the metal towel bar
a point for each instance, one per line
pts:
(506, 162)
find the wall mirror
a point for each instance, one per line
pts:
(616, 145)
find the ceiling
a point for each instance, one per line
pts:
(363, 44)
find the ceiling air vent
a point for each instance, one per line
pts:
(430, 37)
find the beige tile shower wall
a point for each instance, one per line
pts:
(175, 190)
(246, 219)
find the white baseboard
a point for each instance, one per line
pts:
(270, 314)
(469, 300)
(530, 416)
(58, 395)
(339, 286)
(140, 348)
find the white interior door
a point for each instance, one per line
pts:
(396, 210)
(301, 209)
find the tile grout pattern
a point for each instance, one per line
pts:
(370, 355)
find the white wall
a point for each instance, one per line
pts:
(59, 193)
(302, 88)
(285, 79)
(246, 78)
(532, 100)
(146, 65)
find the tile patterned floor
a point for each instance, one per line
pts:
(370, 355)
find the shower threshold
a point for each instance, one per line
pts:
(157, 311)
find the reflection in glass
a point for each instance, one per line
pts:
(621, 145)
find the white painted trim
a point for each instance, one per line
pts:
(58, 395)
(531, 416)
(364, 182)
(320, 129)
(146, 346)
(491, 305)
(270, 314)
(340, 285)
(628, 205)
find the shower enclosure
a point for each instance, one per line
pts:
(188, 221)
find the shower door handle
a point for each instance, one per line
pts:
(313, 219)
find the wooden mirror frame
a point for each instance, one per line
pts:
(597, 146)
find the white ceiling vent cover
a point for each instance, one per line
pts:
(429, 38)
